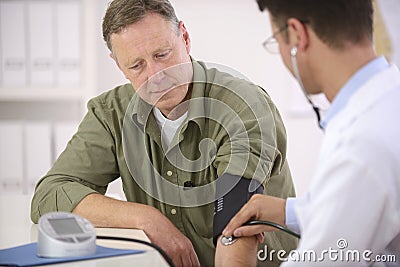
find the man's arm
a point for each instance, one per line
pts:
(241, 253)
(265, 163)
(244, 251)
(86, 166)
(103, 211)
(78, 181)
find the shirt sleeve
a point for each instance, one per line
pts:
(291, 219)
(86, 166)
(255, 143)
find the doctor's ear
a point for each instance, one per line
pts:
(293, 51)
(298, 34)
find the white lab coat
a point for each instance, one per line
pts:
(355, 197)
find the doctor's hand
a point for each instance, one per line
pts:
(259, 207)
(164, 234)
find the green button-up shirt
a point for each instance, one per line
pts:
(232, 127)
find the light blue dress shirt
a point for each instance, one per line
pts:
(352, 86)
(338, 103)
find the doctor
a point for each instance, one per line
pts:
(351, 214)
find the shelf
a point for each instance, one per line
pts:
(39, 94)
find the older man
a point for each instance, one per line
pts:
(181, 136)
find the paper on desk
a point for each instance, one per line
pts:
(25, 255)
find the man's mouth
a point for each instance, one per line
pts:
(163, 90)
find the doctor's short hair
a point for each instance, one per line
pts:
(334, 21)
(122, 13)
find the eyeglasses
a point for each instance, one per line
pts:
(271, 44)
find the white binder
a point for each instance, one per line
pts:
(11, 157)
(41, 42)
(68, 42)
(13, 42)
(38, 152)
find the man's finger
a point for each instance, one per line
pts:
(177, 260)
(186, 260)
(194, 259)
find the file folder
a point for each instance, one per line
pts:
(11, 156)
(41, 43)
(13, 42)
(38, 152)
(68, 42)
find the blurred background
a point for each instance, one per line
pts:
(53, 60)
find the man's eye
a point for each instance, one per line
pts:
(136, 66)
(162, 54)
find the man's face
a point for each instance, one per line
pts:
(155, 59)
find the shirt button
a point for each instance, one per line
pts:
(173, 211)
(169, 173)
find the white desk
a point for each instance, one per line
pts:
(17, 229)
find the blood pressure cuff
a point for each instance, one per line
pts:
(227, 205)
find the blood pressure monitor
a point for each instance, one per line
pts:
(63, 234)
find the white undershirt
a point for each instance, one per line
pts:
(168, 127)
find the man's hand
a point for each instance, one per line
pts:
(164, 234)
(259, 207)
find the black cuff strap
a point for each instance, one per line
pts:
(226, 206)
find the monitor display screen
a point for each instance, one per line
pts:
(65, 226)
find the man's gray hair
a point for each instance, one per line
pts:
(122, 13)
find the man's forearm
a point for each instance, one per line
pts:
(241, 253)
(103, 211)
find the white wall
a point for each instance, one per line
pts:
(230, 32)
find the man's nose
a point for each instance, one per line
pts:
(155, 73)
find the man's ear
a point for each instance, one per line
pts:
(112, 56)
(185, 35)
(298, 34)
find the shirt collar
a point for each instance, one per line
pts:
(196, 107)
(352, 86)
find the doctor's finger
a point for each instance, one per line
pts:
(246, 213)
(253, 230)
